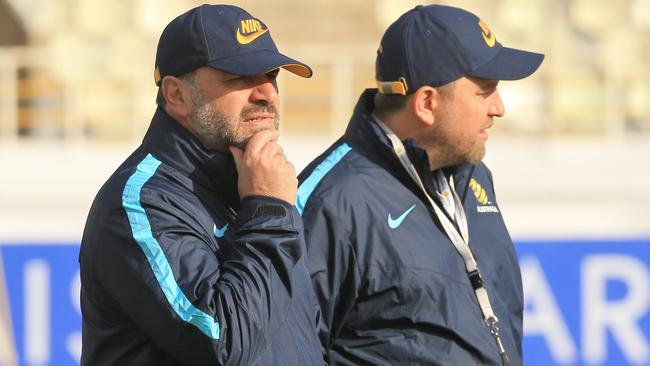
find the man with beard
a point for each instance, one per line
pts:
(400, 213)
(193, 252)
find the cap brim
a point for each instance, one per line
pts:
(259, 62)
(509, 64)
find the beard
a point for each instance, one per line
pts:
(448, 146)
(450, 152)
(216, 130)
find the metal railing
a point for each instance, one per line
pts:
(33, 102)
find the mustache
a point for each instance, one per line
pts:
(252, 109)
(258, 108)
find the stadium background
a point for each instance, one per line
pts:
(570, 159)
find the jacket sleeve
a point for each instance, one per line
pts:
(200, 307)
(332, 263)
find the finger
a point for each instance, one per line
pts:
(259, 140)
(280, 155)
(238, 155)
(270, 150)
(292, 169)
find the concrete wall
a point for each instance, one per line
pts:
(572, 188)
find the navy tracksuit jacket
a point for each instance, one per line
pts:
(392, 288)
(175, 270)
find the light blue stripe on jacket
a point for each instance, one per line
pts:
(141, 229)
(307, 187)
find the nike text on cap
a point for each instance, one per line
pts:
(224, 37)
(435, 44)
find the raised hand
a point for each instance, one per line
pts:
(264, 169)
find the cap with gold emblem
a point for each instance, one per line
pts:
(436, 44)
(224, 37)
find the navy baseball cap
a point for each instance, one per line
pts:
(436, 44)
(224, 37)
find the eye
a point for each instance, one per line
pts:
(273, 74)
(235, 78)
(487, 92)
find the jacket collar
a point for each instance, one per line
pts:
(174, 145)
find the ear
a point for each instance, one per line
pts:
(178, 97)
(423, 103)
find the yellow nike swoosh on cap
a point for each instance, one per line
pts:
(246, 39)
(487, 34)
(489, 38)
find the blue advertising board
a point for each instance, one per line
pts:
(586, 302)
(43, 286)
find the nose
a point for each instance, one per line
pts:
(265, 89)
(496, 105)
